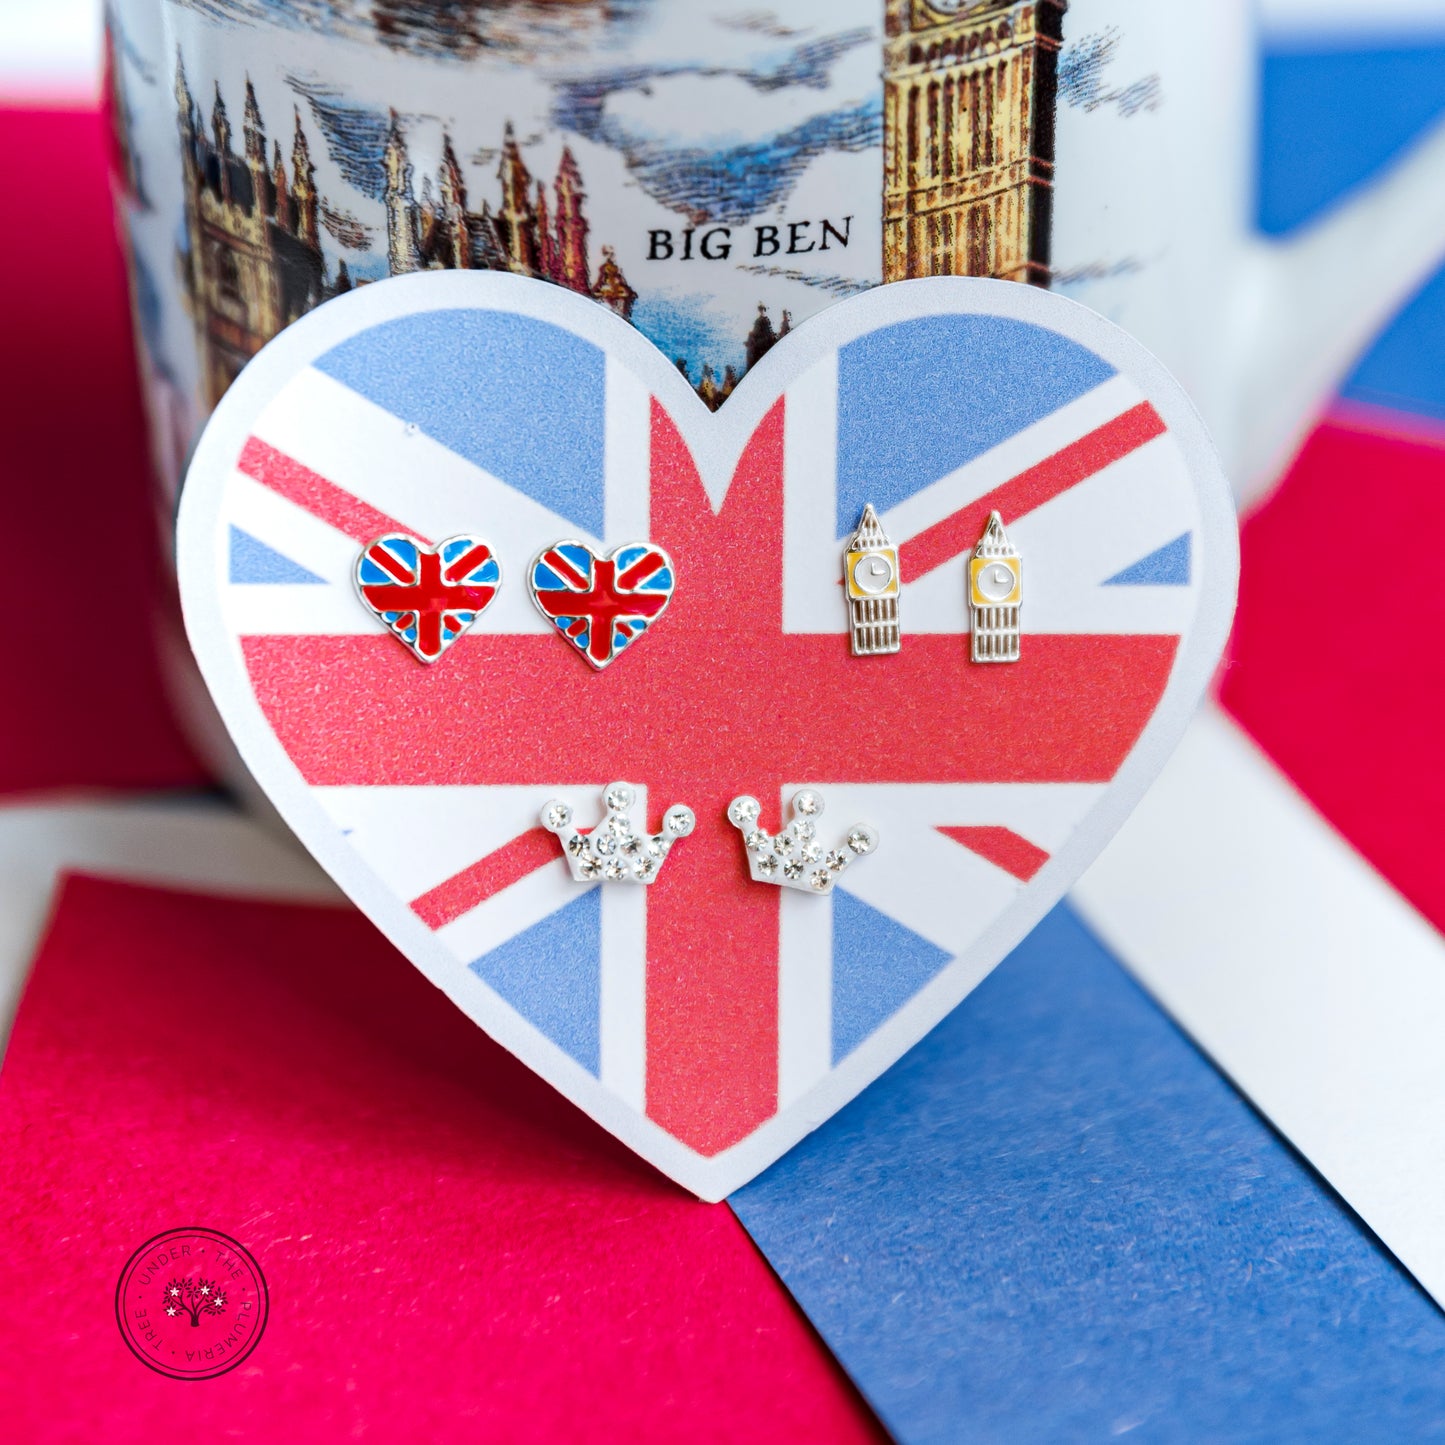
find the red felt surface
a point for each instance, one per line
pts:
(452, 1252)
(1337, 665)
(85, 702)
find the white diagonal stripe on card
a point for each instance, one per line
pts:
(812, 556)
(429, 489)
(623, 1023)
(627, 457)
(805, 994)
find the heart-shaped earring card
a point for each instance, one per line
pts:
(944, 580)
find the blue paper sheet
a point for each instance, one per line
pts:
(1055, 1221)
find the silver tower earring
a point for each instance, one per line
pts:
(871, 579)
(995, 594)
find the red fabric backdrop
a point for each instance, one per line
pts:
(1337, 667)
(84, 702)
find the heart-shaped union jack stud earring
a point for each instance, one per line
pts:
(427, 596)
(602, 605)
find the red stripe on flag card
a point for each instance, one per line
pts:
(1002, 847)
(712, 935)
(340, 704)
(1078, 461)
(309, 490)
(479, 881)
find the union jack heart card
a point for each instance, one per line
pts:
(895, 639)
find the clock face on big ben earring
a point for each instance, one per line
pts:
(996, 581)
(873, 573)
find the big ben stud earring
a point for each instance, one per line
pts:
(870, 576)
(995, 592)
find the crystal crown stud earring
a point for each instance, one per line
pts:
(614, 851)
(794, 858)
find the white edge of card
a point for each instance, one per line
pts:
(1315, 987)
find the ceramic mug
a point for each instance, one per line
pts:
(718, 172)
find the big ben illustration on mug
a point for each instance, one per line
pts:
(275, 156)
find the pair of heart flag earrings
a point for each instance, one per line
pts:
(427, 596)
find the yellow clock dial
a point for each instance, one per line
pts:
(995, 581)
(871, 573)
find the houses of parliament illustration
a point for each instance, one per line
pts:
(253, 261)
(969, 93)
(522, 236)
(969, 90)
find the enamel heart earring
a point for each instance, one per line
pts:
(427, 596)
(602, 605)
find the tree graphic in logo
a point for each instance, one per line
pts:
(194, 1297)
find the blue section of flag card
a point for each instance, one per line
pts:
(252, 561)
(1166, 566)
(1054, 1220)
(919, 399)
(513, 365)
(878, 965)
(552, 975)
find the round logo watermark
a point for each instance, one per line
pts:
(191, 1303)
